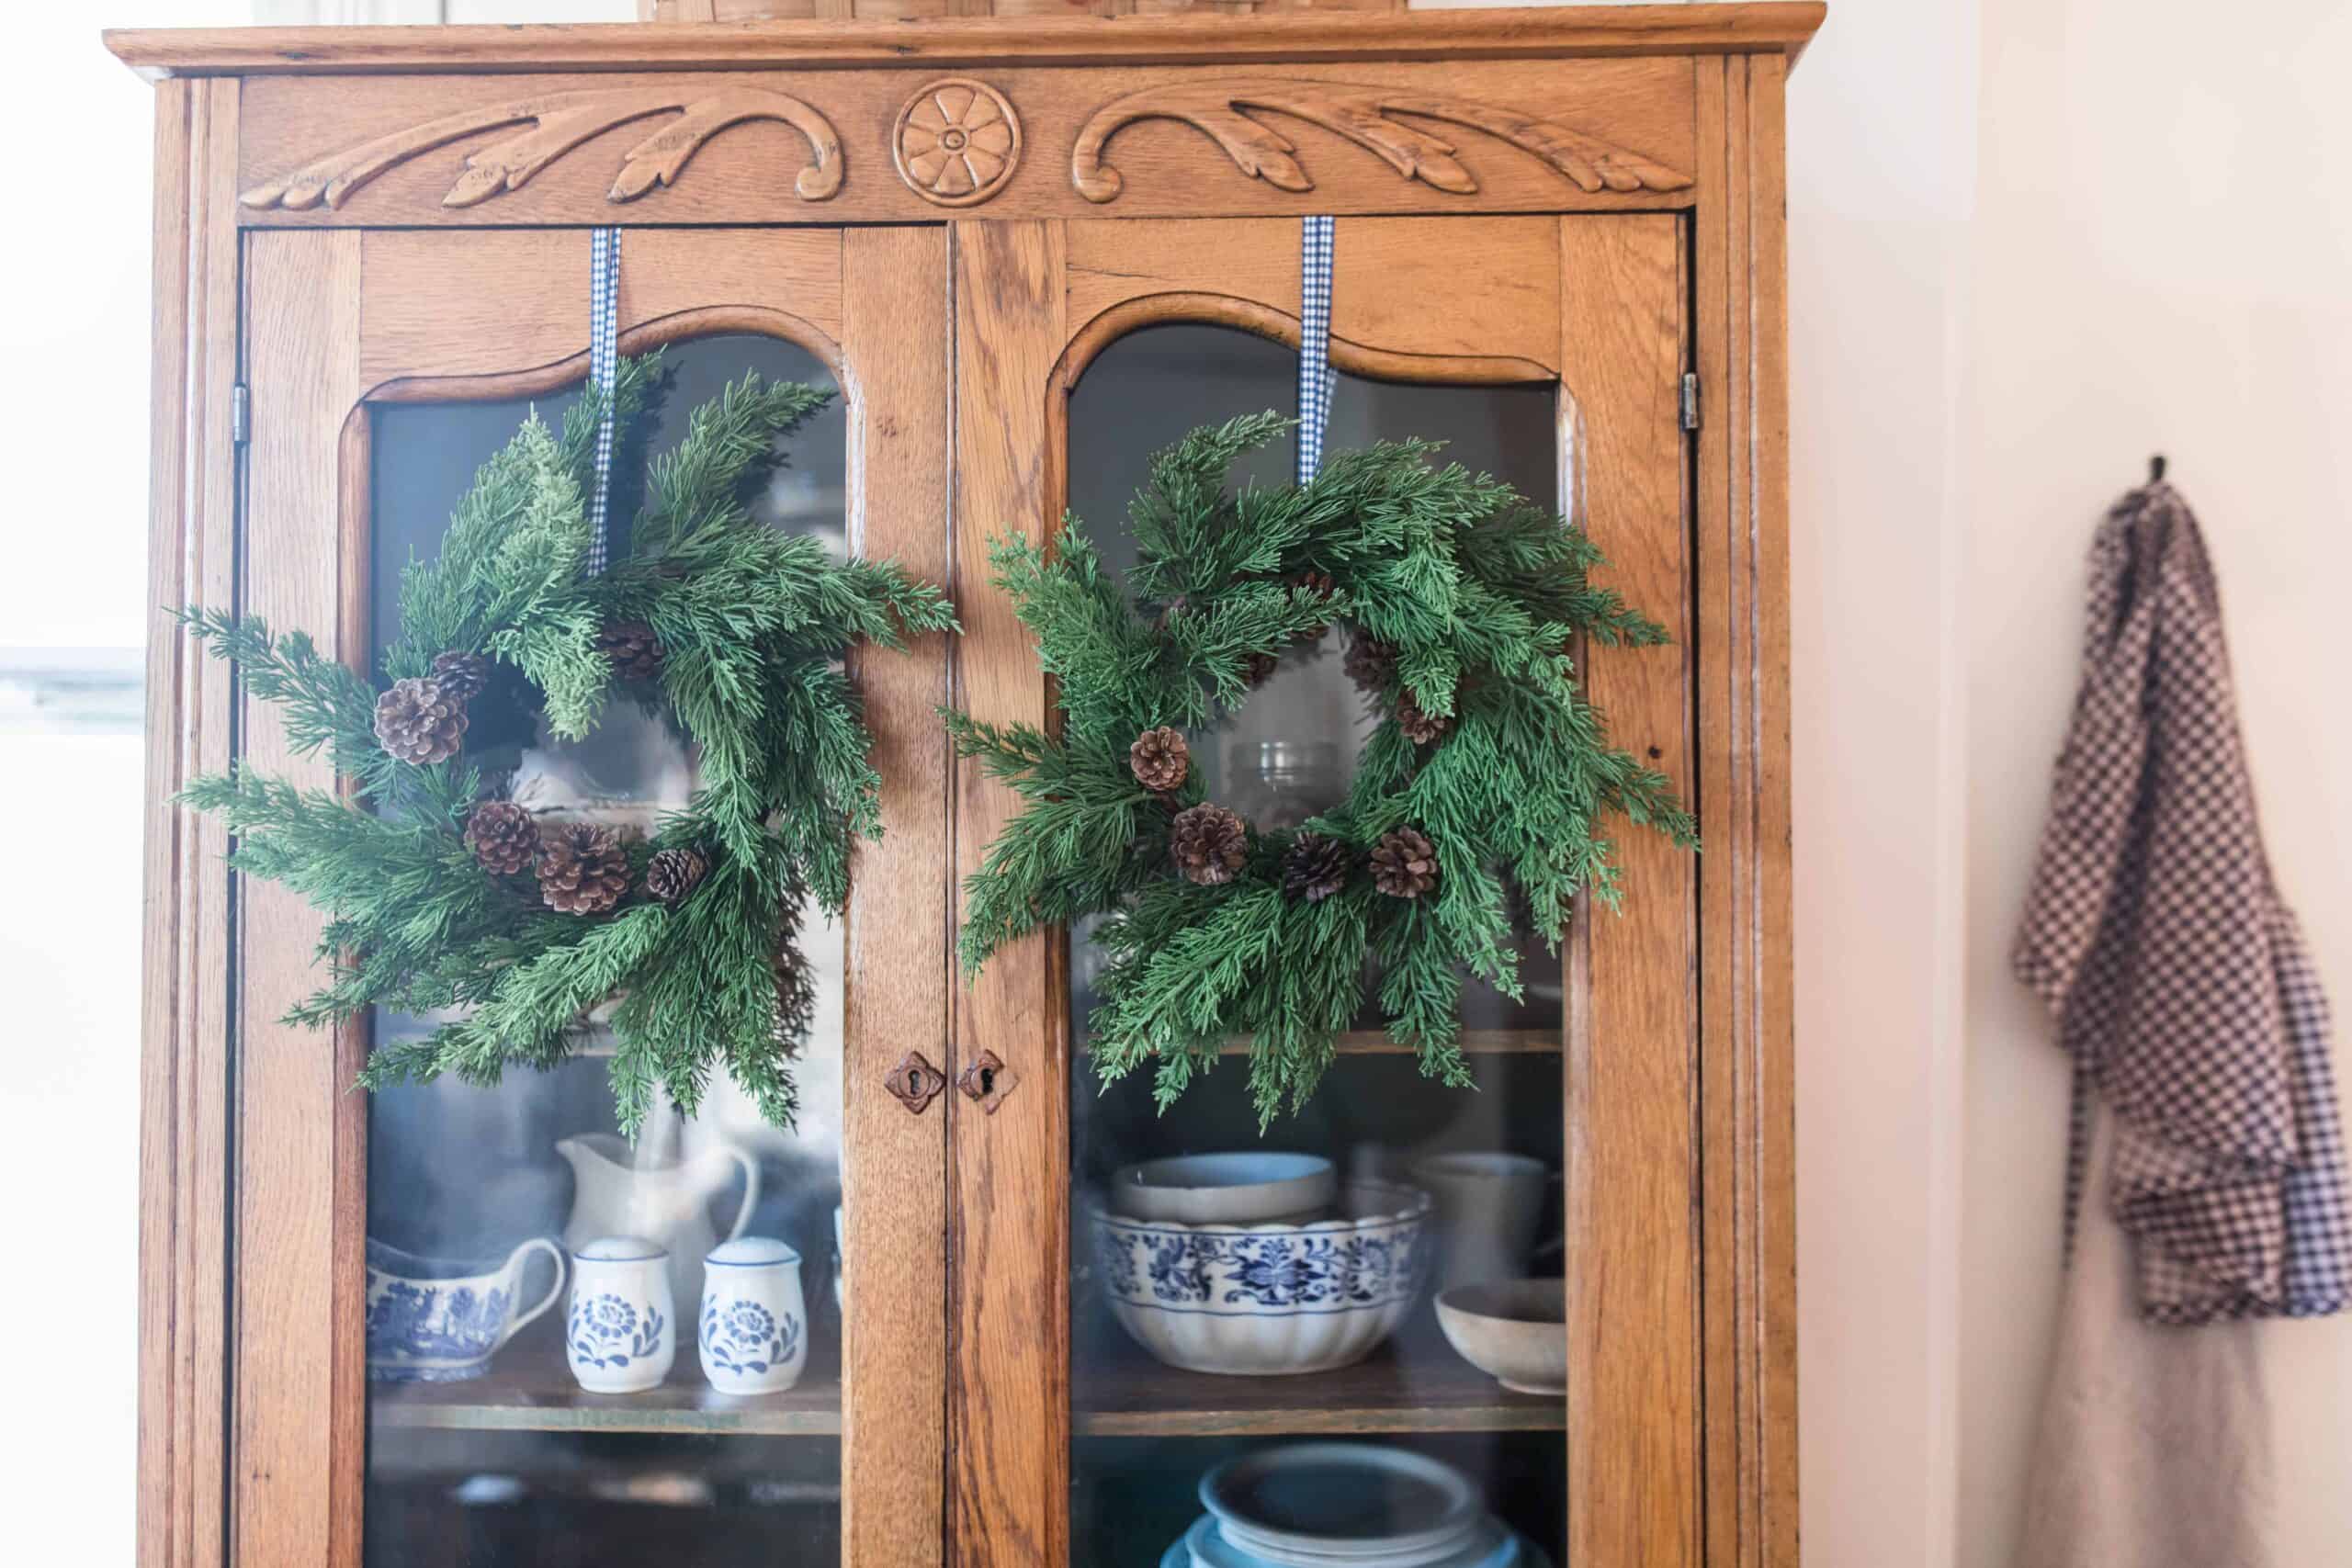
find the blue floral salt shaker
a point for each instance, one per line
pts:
(619, 1334)
(753, 1328)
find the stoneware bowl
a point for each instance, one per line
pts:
(1490, 1544)
(1266, 1300)
(430, 1320)
(1364, 1505)
(1513, 1330)
(1200, 1549)
(1245, 1189)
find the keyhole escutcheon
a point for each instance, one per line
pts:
(914, 1082)
(985, 1081)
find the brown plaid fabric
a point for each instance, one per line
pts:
(2178, 979)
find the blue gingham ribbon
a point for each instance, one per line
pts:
(604, 315)
(1314, 380)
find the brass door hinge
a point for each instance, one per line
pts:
(1690, 401)
(241, 414)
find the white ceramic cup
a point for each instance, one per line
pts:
(620, 1332)
(1488, 1206)
(753, 1333)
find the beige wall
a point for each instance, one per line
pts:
(2164, 262)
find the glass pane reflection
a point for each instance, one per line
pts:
(520, 1465)
(1148, 1431)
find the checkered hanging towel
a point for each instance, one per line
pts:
(2177, 977)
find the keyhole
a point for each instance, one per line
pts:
(914, 1080)
(987, 1082)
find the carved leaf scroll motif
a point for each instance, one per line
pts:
(560, 122)
(1362, 116)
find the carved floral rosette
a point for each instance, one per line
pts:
(956, 141)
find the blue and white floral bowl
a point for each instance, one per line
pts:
(1269, 1300)
(434, 1321)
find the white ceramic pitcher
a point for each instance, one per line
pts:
(666, 1201)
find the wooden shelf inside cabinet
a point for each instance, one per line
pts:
(530, 1389)
(1475, 1041)
(1131, 1396)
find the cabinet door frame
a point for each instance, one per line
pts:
(1596, 304)
(336, 323)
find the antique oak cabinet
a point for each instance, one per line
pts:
(1026, 252)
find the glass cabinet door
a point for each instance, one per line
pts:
(1515, 1382)
(477, 1246)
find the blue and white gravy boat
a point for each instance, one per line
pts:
(431, 1320)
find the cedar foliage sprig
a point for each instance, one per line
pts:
(1479, 593)
(753, 623)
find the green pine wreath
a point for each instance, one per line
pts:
(1486, 776)
(439, 894)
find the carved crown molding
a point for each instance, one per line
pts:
(561, 121)
(956, 141)
(1361, 115)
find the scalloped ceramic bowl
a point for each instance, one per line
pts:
(1269, 1300)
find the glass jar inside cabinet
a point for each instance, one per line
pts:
(974, 1301)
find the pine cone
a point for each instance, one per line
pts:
(418, 722)
(461, 675)
(1160, 760)
(503, 836)
(1371, 665)
(635, 651)
(1314, 868)
(1404, 865)
(1260, 668)
(671, 875)
(1421, 726)
(1170, 611)
(584, 869)
(1209, 844)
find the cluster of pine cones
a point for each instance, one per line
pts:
(422, 720)
(1210, 844)
(582, 869)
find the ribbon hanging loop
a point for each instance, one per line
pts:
(1315, 378)
(604, 366)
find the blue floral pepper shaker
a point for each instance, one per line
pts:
(753, 1329)
(620, 1334)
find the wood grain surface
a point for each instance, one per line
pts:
(908, 10)
(894, 310)
(1126, 273)
(1747, 1105)
(966, 36)
(530, 1388)
(292, 1436)
(753, 171)
(185, 1051)
(1122, 1393)
(1633, 1289)
(1008, 1373)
